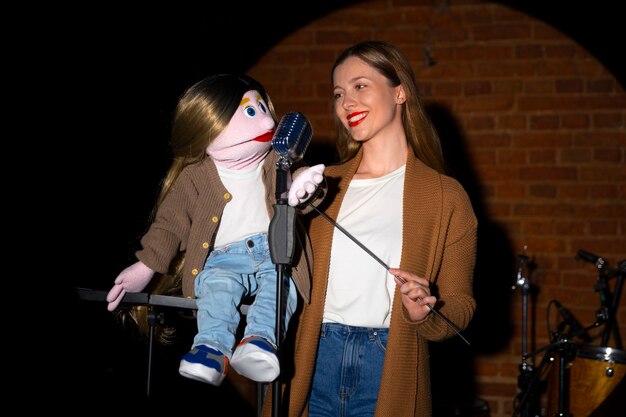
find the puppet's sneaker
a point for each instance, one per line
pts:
(204, 363)
(256, 359)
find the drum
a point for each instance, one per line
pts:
(594, 373)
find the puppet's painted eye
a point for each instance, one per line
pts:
(263, 107)
(249, 111)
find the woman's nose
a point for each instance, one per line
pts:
(348, 102)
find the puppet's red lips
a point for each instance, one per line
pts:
(266, 137)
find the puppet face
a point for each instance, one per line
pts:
(247, 138)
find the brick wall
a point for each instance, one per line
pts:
(532, 125)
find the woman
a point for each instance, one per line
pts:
(362, 344)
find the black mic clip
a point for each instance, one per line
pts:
(602, 315)
(522, 264)
(284, 164)
(602, 264)
(590, 257)
(575, 327)
(613, 272)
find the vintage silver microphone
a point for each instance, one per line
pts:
(292, 137)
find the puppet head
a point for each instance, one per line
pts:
(230, 118)
(247, 138)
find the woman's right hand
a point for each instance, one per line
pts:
(415, 293)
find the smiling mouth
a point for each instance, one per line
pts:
(265, 137)
(356, 118)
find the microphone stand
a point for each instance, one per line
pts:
(281, 242)
(526, 381)
(609, 301)
(608, 304)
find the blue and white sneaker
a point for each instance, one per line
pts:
(205, 364)
(256, 359)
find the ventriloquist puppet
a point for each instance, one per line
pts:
(215, 207)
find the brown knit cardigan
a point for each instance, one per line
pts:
(438, 243)
(188, 218)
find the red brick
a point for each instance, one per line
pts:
(569, 86)
(601, 86)
(608, 120)
(575, 121)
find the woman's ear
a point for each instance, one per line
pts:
(400, 96)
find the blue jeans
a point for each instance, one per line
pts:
(348, 371)
(241, 269)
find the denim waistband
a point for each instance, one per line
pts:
(250, 244)
(346, 329)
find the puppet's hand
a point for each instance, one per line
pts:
(132, 279)
(305, 184)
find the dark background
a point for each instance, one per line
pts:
(115, 73)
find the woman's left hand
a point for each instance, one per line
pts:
(415, 293)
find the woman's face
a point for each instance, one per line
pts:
(365, 102)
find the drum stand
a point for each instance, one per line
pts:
(528, 403)
(566, 351)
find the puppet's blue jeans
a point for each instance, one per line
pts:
(348, 371)
(231, 273)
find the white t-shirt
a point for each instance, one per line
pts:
(360, 290)
(246, 214)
